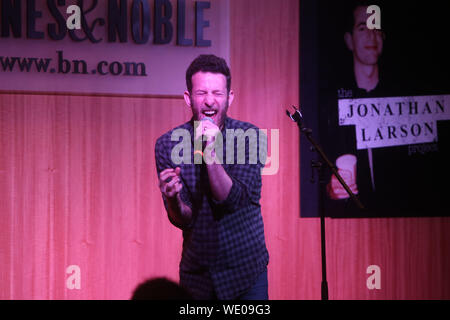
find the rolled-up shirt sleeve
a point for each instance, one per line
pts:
(163, 162)
(246, 179)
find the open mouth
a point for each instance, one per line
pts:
(209, 113)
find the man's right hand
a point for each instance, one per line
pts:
(170, 183)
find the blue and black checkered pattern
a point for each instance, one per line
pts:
(224, 249)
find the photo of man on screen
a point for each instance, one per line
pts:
(389, 179)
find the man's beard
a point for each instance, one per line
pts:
(220, 115)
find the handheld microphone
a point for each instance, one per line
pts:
(199, 144)
(208, 119)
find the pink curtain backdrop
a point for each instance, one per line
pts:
(78, 186)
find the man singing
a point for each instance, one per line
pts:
(215, 204)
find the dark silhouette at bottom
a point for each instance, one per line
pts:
(160, 289)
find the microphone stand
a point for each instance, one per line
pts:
(298, 117)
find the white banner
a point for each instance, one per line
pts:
(394, 121)
(118, 47)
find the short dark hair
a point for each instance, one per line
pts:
(208, 63)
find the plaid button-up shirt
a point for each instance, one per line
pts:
(224, 248)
